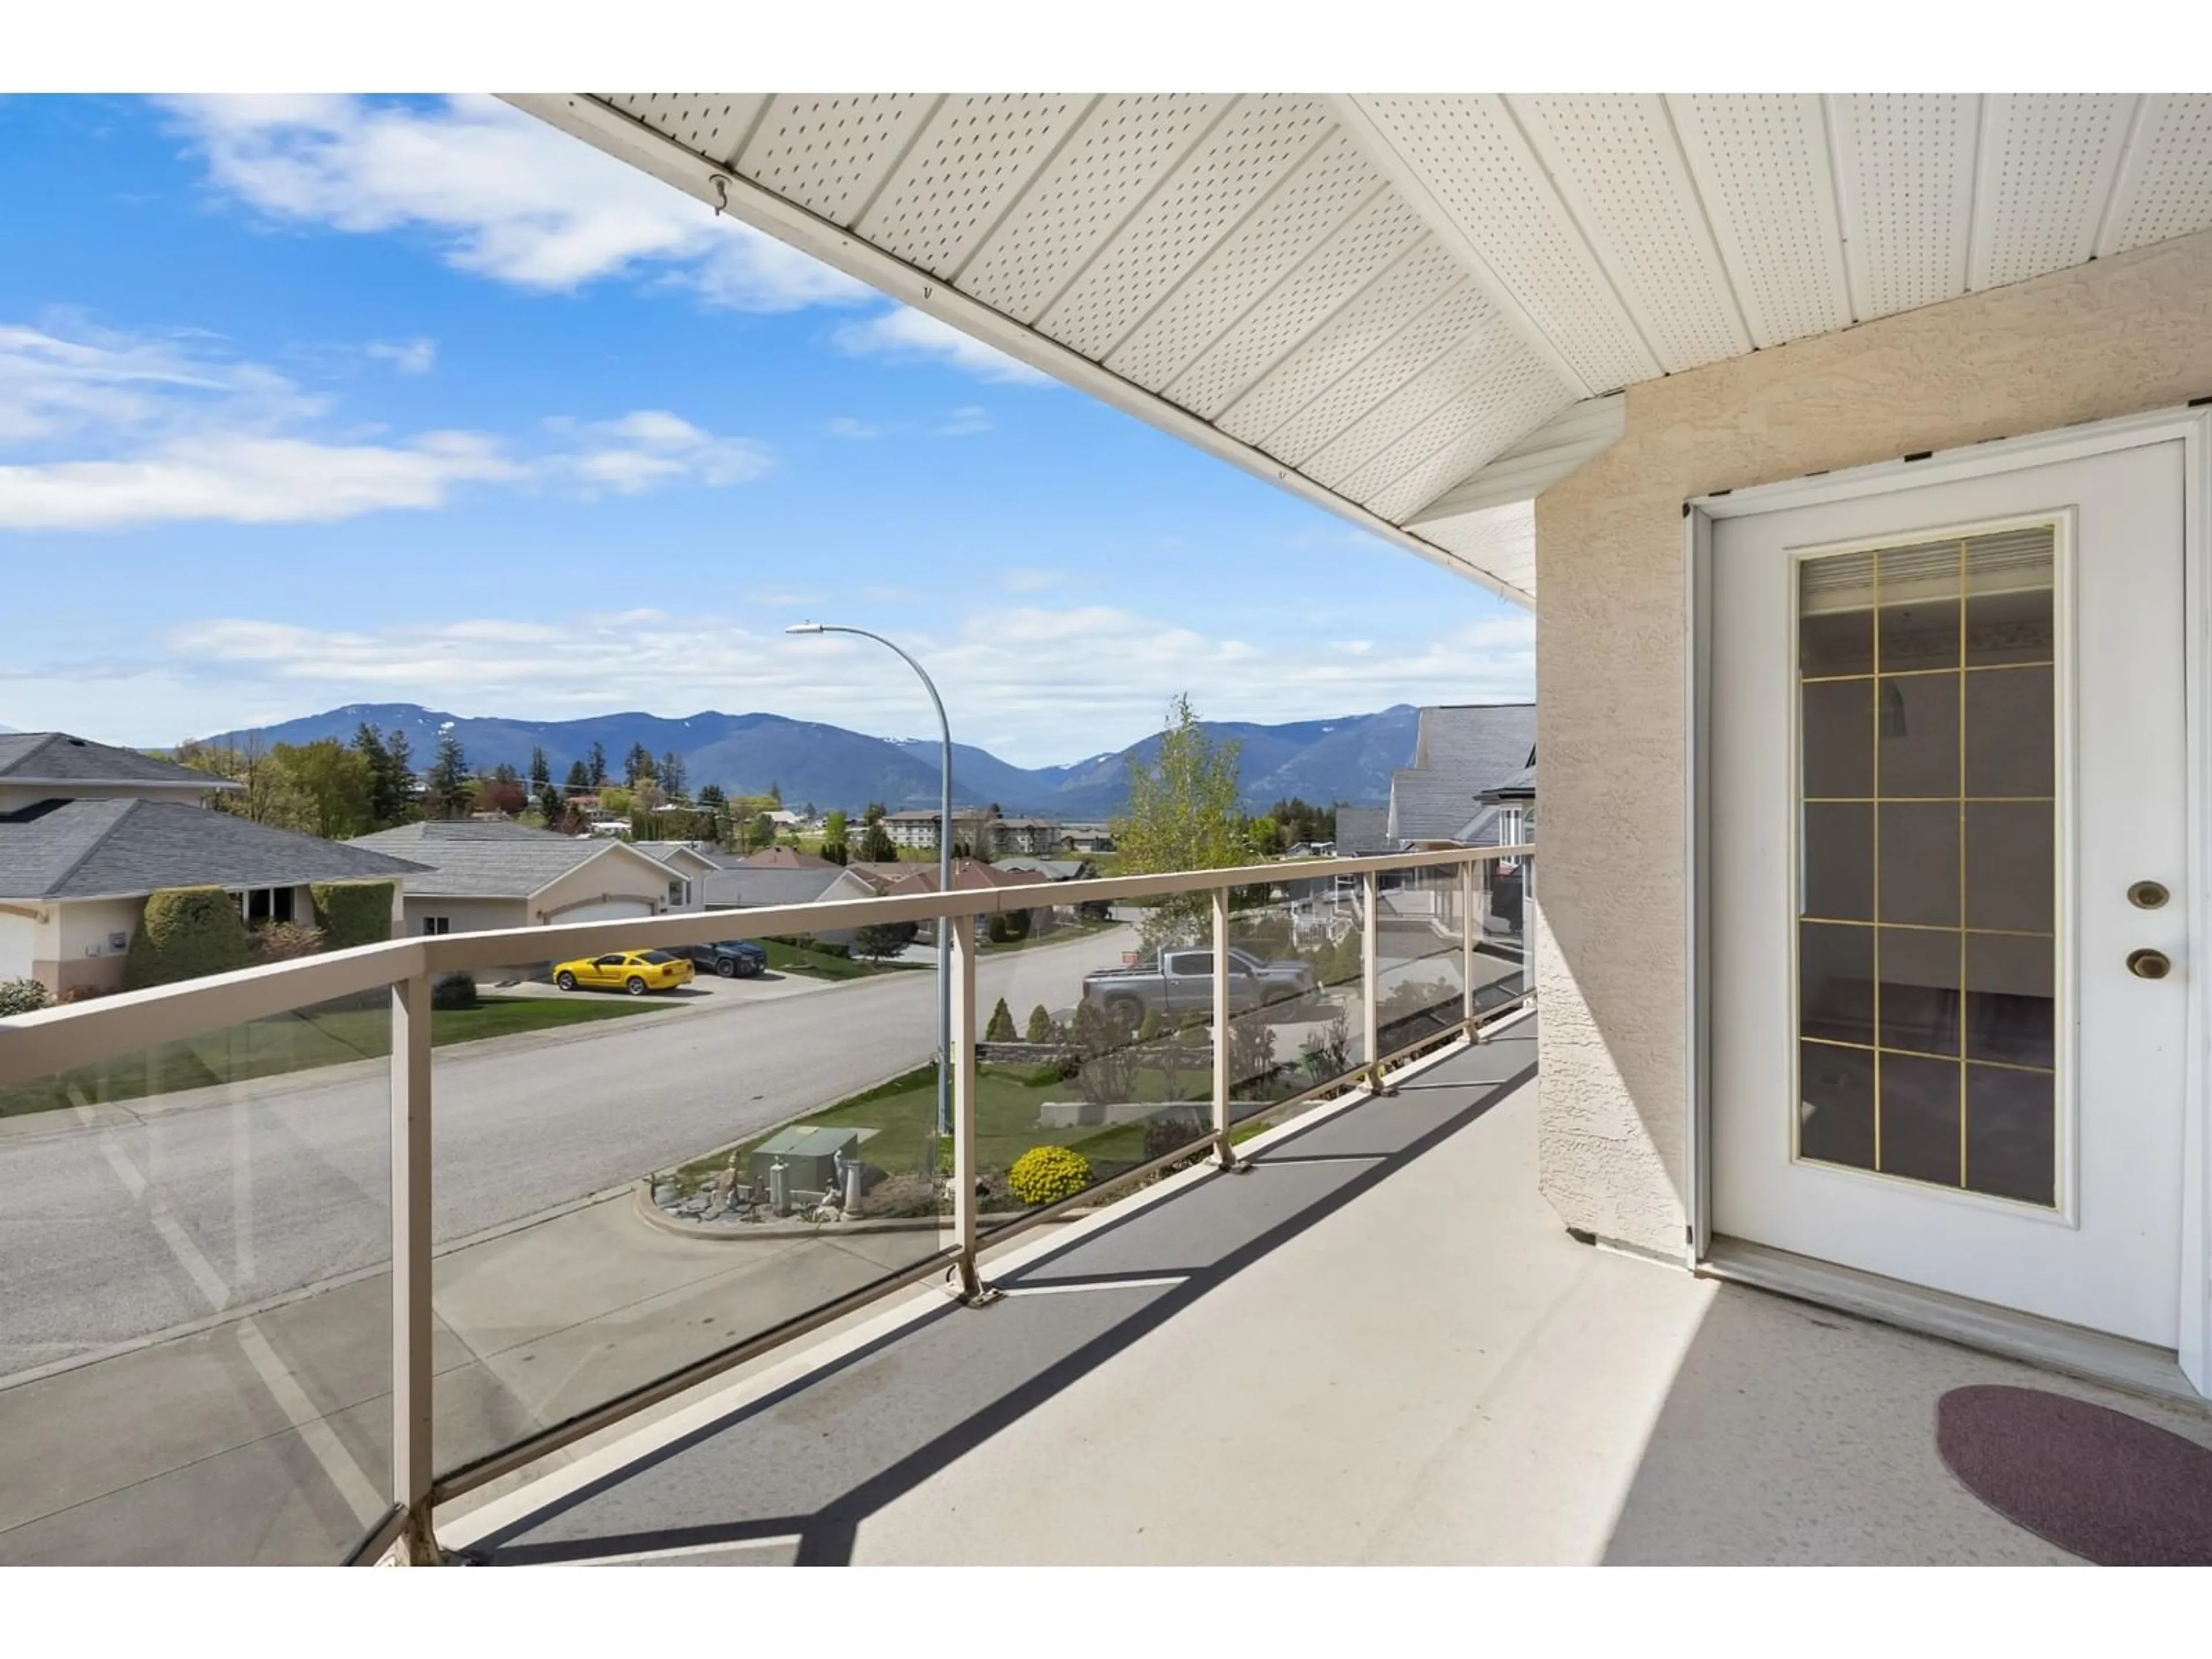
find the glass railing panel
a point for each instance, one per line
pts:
(1502, 891)
(1419, 990)
(195, 1332)
(642, 1182)
(1089, 1049)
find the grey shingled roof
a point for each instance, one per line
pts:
(462, 859)
(83, 849)
(33, 757)
(1520, 786)
(1459, 751)
(753, 886)
(1363, 831)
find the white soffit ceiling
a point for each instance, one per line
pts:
(1412, 309)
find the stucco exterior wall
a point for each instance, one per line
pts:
(463, 915)
(2109, 338)
(611, 876)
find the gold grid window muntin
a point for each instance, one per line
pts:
(1886, 635)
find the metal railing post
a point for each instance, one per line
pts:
(962, 932)
(1223, 1154)
(1371, 983)
(411, 1415)
(1467, 943)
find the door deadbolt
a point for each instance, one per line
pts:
(2150, 965)
(2148, 895)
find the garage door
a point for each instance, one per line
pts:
(612, 909)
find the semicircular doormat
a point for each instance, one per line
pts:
(2112, 1488)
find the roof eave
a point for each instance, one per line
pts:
(584, 117)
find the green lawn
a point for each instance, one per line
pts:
(904, 1112)
(297, 1042)
(821, 964)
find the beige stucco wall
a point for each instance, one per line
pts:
(613, 875)
(463, 915)
(71, 942)
(2109, 338)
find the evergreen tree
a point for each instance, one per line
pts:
(579, 778)
(449, 778)
(596, 772)
(672, 776)
(541, 773)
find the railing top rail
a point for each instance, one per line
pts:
(34, 1046)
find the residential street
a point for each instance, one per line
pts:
(162, 1218)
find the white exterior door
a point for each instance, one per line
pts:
(1947, 750)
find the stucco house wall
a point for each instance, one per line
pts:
(2109, 338)
(616, 874)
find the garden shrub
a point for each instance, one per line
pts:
(884, 938)
(23, 996)
(455, 990)
(1046, 1175)
(351, 913)
(1040, 1026)
(187, 933)
(1017, 924)
(285, 941)
(996, 930)
(1001, 1028)
(1152, 1027)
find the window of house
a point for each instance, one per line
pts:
(263, 905)
(1509, 826)
(676, 894)
(434, 925)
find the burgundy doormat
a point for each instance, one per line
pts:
(2112, 1488)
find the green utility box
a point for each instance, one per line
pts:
(809, 1156)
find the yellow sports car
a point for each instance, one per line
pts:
(633, 971)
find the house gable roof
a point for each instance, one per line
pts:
(751, 887)
(463, 859)
(1460, 750)
(55, 757)
(85, 849)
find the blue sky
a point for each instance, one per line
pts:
(314, 401)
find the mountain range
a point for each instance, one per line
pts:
(1348, 759)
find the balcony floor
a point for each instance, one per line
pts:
(1379, 1347)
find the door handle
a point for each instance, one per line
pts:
(2150, 965)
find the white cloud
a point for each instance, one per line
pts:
(502, 194)
(905, 335)
(1021, 580)
(116, 431)
(1034, 684)
(417, 356)
(846, 426)
(965, 421)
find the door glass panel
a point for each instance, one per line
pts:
(1927, 805)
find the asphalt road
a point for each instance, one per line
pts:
(113, 1230)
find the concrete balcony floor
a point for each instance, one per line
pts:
(1377, 1346)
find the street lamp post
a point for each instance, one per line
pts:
(943, 868)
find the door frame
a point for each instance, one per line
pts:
(2192, 426)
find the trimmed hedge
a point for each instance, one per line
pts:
(351, 913)
(23, 996)
(187, 933)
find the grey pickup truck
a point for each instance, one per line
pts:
(1180, 983)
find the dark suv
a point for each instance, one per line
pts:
(733, 958)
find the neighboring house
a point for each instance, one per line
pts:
(479, 877)
(968, 876)
(36, 766)
(1460, 750)
(75, 876)
(1051, 869)
(693, 861)
(1086, 837)
(1034, 836)
(1508, 814)
(1364, 832)
(880, 874)
(784, 857)
(754, 887)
